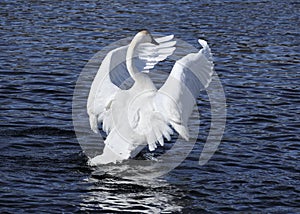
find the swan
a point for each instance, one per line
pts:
(142, 115)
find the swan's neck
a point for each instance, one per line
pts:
(129, 59)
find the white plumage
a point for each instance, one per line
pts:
(142, 115)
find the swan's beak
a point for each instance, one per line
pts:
(153, 41)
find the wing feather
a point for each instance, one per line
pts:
(177, 97)
(148, 55)
(103, 90)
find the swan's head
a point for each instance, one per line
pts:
(144, 37)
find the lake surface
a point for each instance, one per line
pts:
(45, 45)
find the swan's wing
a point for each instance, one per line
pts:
(174, 101)
(148, 54)
(177, 97)
(103, 89)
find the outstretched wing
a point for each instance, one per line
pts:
(103, 90)
(113, 76)
(177, 97)
(148, 54)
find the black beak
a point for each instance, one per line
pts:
(153, 41)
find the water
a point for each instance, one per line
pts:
(44, 46)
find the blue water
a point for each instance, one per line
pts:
(44, 46)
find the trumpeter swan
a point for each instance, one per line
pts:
(142, 114)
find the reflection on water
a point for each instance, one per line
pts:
(142, 196)
(44, 47)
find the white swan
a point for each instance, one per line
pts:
(142, 114)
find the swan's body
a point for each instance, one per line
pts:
(142, 114)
